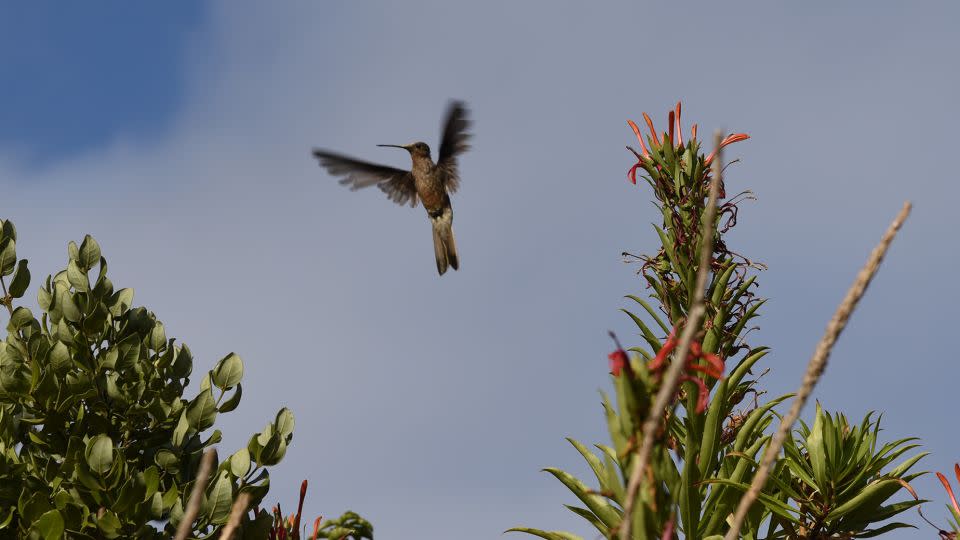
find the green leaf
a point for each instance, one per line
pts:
(228, 372)
(8, 256)
(128, 353)
(151, 482)
(50, 525)
(231, 402)
(158, 337)
(7, 230)
(89, 253)
(867, 500)
(816, 451)
(180, 432)
(21, 317)
(548, 535)
(202, 411)
(99, 454)
(220, 498)
(240, 463)
(284, 423)
(588, 515)
(77, 277)
(109, 524)
(596, 503)
(21, 280)
(66, 304)
(121, 301)
(652, 312)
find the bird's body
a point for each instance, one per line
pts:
(427, 181)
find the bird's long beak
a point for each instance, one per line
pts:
(405, 147)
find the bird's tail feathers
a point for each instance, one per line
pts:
(444, 245)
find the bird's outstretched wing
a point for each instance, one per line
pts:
(396, 183)
(452, 143)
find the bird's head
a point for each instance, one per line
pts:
(417, 149)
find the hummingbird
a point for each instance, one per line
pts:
(432, 183)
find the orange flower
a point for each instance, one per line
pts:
(730, 139)
(946, 486)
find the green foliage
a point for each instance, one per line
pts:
(96, 437)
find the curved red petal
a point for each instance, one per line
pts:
(653, 132)
(632, 174)
(946, 486)
(636, 131)
(678, 129)
(670, 125)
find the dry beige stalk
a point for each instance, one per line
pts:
(240, 507)
(196, 495)
(671, 379)
(815, 369)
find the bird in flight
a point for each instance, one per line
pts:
(432, 183)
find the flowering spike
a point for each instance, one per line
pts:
(316, 528)
(636, 130)
(677, 128)
(670, 123)
(653, 132)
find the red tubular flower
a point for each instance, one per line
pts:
(667, 530)
(703, 394)
(670, 125)
(618, 361)
(713, 367)
(677, 127)
(316, 527)
(653, 132)
(636, 131)
(664, 351)
(946, 486)
(730, 139)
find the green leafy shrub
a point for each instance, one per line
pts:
(96, 437)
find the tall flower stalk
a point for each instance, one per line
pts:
(705, 445)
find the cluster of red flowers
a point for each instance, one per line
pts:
(674, 136)
(712, 366)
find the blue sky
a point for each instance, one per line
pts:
(180, 139)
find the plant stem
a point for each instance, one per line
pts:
(668, 388)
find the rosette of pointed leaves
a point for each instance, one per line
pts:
(836, 481)
(96, 437)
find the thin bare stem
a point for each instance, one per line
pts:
(196, 495)
(668, 388)
(240, 507)
(815, 369)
